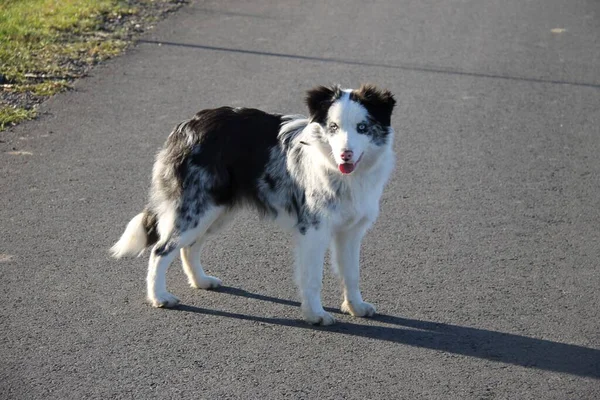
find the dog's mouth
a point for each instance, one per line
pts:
(348, 168)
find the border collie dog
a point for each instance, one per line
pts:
(319, 177)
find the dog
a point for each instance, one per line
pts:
(320, 178)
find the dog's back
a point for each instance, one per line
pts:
(226, 147)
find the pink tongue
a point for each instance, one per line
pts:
(346, 168)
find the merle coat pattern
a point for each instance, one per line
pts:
(319, 177)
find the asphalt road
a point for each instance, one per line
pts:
(484, 264)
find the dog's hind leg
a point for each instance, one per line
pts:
(190, 256)
(165, 252)
(161, 257)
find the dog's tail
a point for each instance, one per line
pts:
(140, 233)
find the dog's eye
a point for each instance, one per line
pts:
(361, 128)
(333, 127)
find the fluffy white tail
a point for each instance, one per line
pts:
(133, 241)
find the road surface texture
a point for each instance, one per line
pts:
(484, 264)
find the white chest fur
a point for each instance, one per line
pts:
(359, 203)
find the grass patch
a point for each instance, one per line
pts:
(10, 116)
(47, 88)
(37, 37)
(46, 43)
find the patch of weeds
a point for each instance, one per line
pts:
(11, 116)
(36, 35)
(47, 88)
(45, 44)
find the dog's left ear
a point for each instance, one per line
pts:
(319, 99)
(380, 103)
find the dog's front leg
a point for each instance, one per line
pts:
(311, 245)
(345, 252)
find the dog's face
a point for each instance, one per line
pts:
(354, 124)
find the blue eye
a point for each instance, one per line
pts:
(361, 128)
(333, 126)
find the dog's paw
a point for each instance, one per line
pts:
(322, 318)
(207, 283)
(362, 309)
(161, 300)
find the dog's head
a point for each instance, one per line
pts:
(353, 125)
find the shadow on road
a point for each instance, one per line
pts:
(495, 346)
(406, 67)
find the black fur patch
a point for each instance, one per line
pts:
(232, 146)
(319, 100)
(270, 181)
(379, 103)
(165, 248)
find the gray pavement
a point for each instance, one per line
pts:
(484, 264)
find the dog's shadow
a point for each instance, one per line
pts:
(481, 343)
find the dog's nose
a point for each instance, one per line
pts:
(347, 155)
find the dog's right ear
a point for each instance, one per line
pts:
(319, 99)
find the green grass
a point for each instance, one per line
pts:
(38, 38)
(10, 116)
